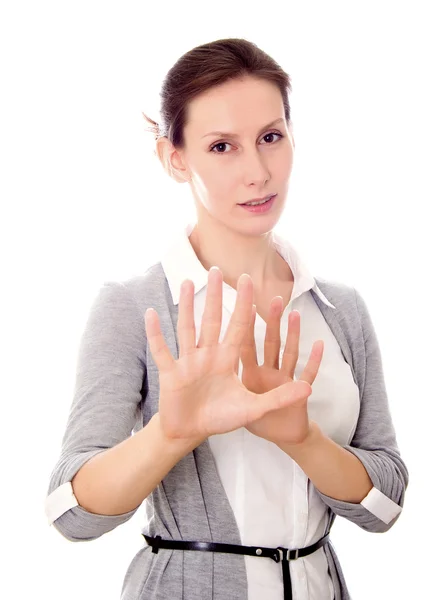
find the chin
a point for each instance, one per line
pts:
(255, 227)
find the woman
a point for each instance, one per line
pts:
(250, 433)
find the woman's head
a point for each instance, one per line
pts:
(228, 86)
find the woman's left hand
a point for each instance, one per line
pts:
(289, 425)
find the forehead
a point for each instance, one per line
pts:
(235, 105)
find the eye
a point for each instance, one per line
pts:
(267, 135)
(273, 133)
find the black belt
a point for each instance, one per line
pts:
(277, 554)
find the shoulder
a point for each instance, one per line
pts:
(342, 295)
(351, 308)
(148, 289)
(133, 295)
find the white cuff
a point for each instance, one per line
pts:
(381, 506)
(59, 501)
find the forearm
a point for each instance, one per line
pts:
(118, 480)
(333, 470)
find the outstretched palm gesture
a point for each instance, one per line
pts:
(290, 424)
(200, 392)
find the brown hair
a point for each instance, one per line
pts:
(206, 66)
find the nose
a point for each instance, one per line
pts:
(255, 168)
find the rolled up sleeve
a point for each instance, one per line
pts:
(109, 385)
(374, 444)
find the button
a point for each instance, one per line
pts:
(258, 551)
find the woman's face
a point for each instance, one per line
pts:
(251, 160)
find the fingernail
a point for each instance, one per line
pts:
(214, 267)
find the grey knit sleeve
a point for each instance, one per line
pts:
(110, 375)
(374, 443)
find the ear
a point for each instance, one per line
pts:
(171, 160)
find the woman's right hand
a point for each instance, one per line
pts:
(201, 393)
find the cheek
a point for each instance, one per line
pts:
(213, 184)
(283, 166)
(218, 181)
(211, 173)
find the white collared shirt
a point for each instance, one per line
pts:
(273, 501)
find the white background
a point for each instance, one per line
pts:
(83, 200)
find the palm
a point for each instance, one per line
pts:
(289, 424)
(263, 378)
(285, 425)
(199, 386)
(200, 393)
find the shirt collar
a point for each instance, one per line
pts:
(180, 262)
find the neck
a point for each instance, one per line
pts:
(235, 253)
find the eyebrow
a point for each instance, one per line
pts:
(235, 135)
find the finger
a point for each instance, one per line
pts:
(248, 350)
(157, 345)
(290, 355)
(285, 395)
(239, 322)
(312, 366)
(186, 321)
(272, 337)
(212, 315)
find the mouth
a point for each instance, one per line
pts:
(258, 201)
(262, 207)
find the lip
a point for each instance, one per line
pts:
(259, 199)
(260, 209)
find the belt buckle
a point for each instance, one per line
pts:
(284, 554)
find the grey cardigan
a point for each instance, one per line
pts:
(116, 392)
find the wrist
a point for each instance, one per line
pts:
(174, 446)
(313, 437)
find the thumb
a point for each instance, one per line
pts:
(280, 397)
